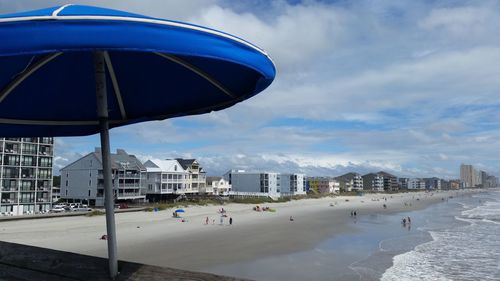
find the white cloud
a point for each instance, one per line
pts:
(420, 78)
(297, 35)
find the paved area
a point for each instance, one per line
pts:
(27, 263)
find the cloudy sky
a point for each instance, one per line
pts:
(409, 87)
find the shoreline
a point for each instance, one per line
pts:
(158, 239)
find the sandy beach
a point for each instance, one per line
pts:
(157, 238)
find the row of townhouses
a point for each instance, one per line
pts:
(377, 182)
(157, 180)
(26, 182)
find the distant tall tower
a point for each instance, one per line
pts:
(469, 175)
(25, 175)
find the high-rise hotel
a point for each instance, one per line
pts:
(25, 175)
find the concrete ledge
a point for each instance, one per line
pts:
(27, 263)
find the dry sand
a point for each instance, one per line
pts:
(157, 238)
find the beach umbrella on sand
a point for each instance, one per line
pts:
(179, 211)
(79, 70)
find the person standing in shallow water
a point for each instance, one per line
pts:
(230, 220)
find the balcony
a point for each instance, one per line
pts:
(130, 195)
(11, 151)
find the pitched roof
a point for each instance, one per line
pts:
(185, 163)
(121, 160)
(212, 179)
(165, 166)
(385, 174)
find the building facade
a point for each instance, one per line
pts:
(390, 181)
(164, 179)
(432, 183)
(254, 183)
(470, 176)
(265, 183)
(403, 183)
(373, 182)
(220, 186)
(416, 184)
(323, 184)
(350, 182)
(196, 175)
(292, 184)
(26, 175)
(83, 181)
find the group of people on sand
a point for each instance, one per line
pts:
(353, 213)
(221, 220)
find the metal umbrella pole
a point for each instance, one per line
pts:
(102, 111)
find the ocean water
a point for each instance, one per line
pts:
(464, 245)
(457, 239)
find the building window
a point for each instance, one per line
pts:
(89, 192)
(175, 168)
(90, 182)
(66, 184)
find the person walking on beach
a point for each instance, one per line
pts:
(409, 220)
(206, 221)
(354, 213)
(230, 220)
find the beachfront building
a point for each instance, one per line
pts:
(373, 182)
(164, 179)
(469, 175)
(220, 186)
(254, 183)
(323, 185)
(196, 180)
(415, 184)
(403, 183)
(25, 175)
(390, 181)
(83, 181)
(455, 184)
(432, 183)
(350, 182)
(292, 184)
(487, 180)
(56, 193)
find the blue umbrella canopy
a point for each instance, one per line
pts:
(155, 69)
(78, 70)
(179, 211)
